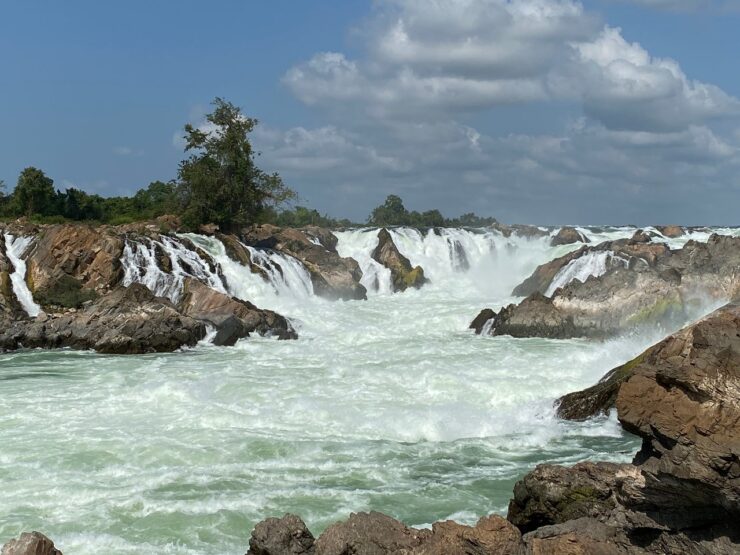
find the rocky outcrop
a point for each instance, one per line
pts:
(543, 276)
(403, 275)
(129, 320)
(642, 236)
(30, 543)
(332, 276)
(378, 534)
(645, 284)
(526, 231)
(567, 236)
(671, 231)
(233, 318)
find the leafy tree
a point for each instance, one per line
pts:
(391, 212)
(35, 194)
(220, 183)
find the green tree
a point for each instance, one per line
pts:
(391, 212)
(220, 182)
(35, 194)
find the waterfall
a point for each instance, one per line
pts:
(141, 265)
(590, 264)
(451, 258)
(284, 276)
(16, 248)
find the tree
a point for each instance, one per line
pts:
(391, 212)
(220, 183)
(34, 194)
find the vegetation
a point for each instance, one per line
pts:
(393, 213)
(219, 183)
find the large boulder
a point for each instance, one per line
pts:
(30, 543)
(403, 275)
(644, 284)
(671, 231)
(128, 320)
(567, 236)
(332, 276)
(232, 318)
(281, 536)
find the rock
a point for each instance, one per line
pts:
(62, 253)
(526, 231)
(543, 276)
(128, 320)
(641, 236)
(281, 536)
(645, 284)
(670, 231)
(683, 401)
(233, 318)
(567, 236)
(323, 236)
(480, 321)
(492, 535)
(369, 534)
(30, 543)
(403, 275)
(332, 276)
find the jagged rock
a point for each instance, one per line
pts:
(526, 231)
(683, 401)
(641, 236)
(403, 275)
(671, 231)
(281, 536)
(128, 320)
(324, 237)
(645, 284)
(480, 321)
(492, 535)
(91, 256)
(543, 276)
(536, 316)
(332, 276)
(568, 236)
(233, 318)
(370, 534)
(30, 543)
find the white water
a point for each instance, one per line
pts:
(391, 404)
(16, 248)
(592, 264)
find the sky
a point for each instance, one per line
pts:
(531, 111)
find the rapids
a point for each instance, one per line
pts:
(388, 404)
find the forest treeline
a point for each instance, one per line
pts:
(217, 183)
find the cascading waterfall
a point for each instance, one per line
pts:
(141, 265)
(592, 264)
(16, 248)
(284, 276)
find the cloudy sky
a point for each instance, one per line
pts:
(538, 111)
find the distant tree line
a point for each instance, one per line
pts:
(219, 183)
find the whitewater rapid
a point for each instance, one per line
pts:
(388, 404)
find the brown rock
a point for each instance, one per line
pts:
(671, 231)
(30, 543)
(567, 236)
(369, 534)
(281, 536)
(403, 275)
(492, 535)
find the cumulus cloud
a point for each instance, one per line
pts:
(402, 118)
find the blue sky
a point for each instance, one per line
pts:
(542, 111)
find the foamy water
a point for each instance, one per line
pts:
(389, 404)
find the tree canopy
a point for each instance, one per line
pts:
(220, 182)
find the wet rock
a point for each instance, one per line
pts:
(128, 320)
(232, 318)
(281, 536)
(403, 275)
(480, 321)
(671, 231)
(641, 236)
(370, 534)
(332, 276)
(543, 276)
(526, 231)
(30, 543)
(536, 316)
(568, 236)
